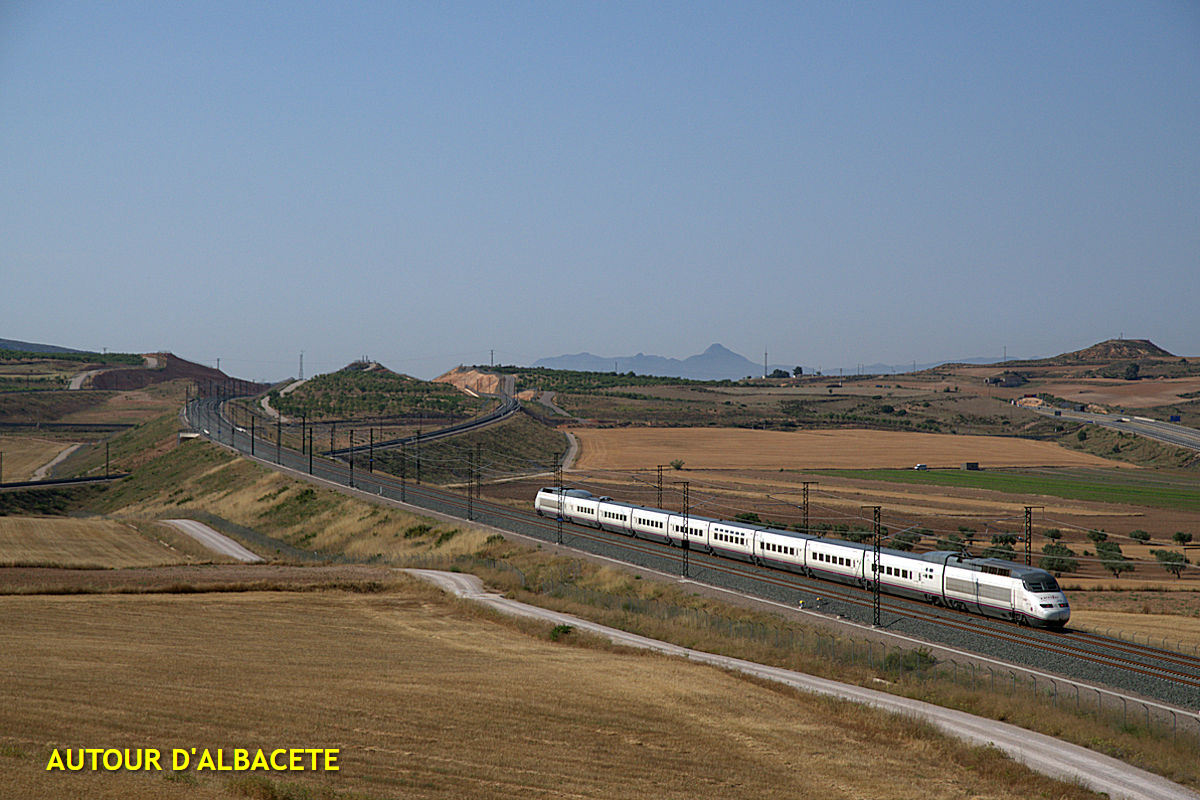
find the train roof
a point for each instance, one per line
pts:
(567, 491)
(994, 566)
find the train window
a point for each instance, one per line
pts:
(1041, 584)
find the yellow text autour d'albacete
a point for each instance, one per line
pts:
(148, 759)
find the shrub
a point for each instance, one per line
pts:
(917, 660)
(1058, 559)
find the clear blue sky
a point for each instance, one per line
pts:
(839, 182)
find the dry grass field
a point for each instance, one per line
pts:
(135, 406)
(1174, 632)
(1130, 394)
(94, 543)
(24, 454)
(1141, 611)
(426, 698)
(717, 448)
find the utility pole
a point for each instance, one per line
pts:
(301, 365)
(660, 466)
(107, 472)
(371, 458)
(403, 473)
(491, 358)
(251, 434)
(806, 485)
(686, 527)
(764, 362)
(418, 456)
(279, 440)
(558, 482)
(332, 425)
(478, 472)
(351, 452)
(303, 430)
(875, 566)
(310, 449)
(470, 484)
(1029, 533)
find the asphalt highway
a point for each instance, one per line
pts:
(1166, 432)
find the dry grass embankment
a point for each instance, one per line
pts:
(135, 405)
(428, 699)
(24, 454)
(93, 543)
(724, 448)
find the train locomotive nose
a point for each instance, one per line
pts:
(1056, 616)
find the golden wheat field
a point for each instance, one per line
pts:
(427, 698)
(738, 448)
(96, 543)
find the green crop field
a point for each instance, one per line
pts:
(1114, 488)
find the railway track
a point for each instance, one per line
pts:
(1165, 675)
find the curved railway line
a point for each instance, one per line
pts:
(1165, 676)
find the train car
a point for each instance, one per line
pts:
(616, 516)
(651, 523)
(695, 530)
(577, 505)
(781, 549)
(836, 560)
(905, 575)
(732, 539)
(998, 588)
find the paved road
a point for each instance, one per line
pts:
(1043, 754)
(1166, 432)
(217, 542)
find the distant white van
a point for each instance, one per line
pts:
(921, 467)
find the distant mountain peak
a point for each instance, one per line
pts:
(716, 363)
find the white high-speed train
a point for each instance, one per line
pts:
(990, 586)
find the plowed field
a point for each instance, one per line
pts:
(725, 448)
